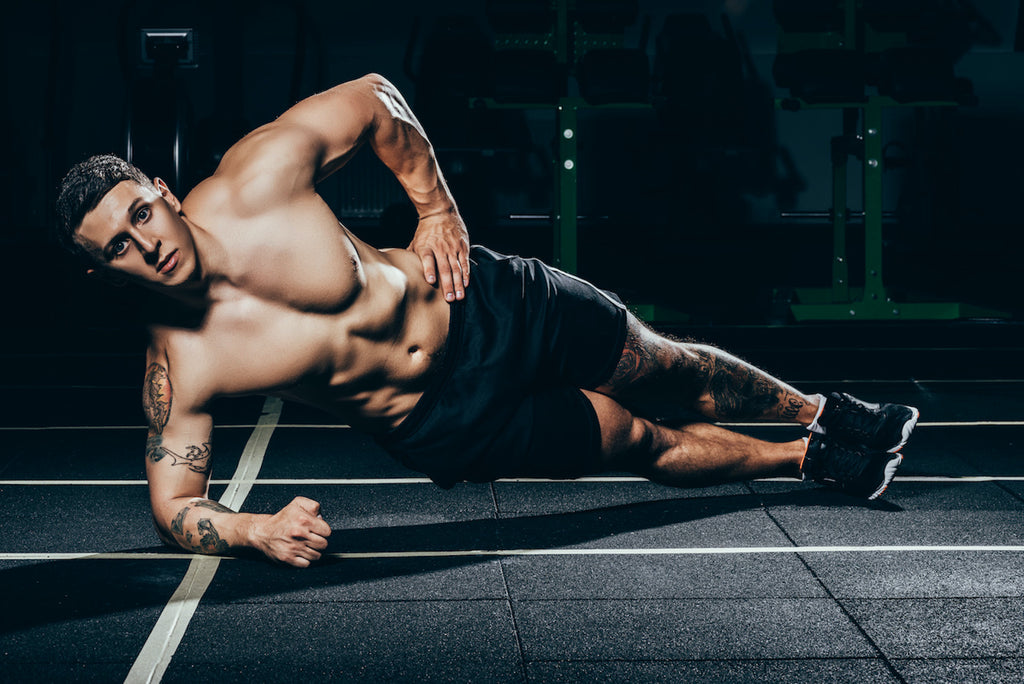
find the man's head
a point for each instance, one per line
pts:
(83, 187)
(117, 219)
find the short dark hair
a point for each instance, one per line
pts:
(84, 187)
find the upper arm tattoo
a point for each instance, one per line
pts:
(196, 458)
(156, 402)
(156, 397)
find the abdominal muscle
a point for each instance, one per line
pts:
(382, 350)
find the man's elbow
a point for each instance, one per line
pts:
(164, 533)
(376, 80)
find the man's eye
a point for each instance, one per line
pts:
(142, 214)
(119, 247)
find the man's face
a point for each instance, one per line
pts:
(139, 233)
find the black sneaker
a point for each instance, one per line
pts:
(877, 427)
(860, 473)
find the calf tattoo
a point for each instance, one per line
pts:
(742, 392)
(739, 391)
(636, 360)
(684, 372)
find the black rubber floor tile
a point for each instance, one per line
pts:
(66, 519)
(387, 641)
(361, 579)
(81, 611)
(918, 574)
(660, 577)
(583, 515)
(16, 673)
(701, 629)
(972, 671)
(393, 517)
(909, 513)
(337, 453)
(848, 671)
(943, 628)
(530, 498)
(1016, 488)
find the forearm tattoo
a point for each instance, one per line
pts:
(212, 506)
(209, 538)
(178, 524)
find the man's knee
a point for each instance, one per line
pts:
(624, 437)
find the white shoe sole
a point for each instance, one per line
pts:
(890, 472)
(908, 427)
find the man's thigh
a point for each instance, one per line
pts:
(564, 438)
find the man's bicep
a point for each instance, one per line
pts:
(338, 120)
(304, 145)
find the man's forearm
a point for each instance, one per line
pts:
(204, 526)
(297, 534)
(401, 143)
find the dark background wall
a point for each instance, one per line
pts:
(686, 210)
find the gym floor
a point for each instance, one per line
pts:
(604, 579)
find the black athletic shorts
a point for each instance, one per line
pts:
(506, 401)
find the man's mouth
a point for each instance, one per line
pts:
(168, 264)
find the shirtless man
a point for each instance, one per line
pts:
(526, 371)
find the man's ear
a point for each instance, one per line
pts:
(166, 193)
(106, 276)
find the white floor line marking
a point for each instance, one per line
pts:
(143, 427)
(463, 553)
(163, 641)
(425, 480)
(923, 424)
(90, 555)
(684, 551)
(302, 426)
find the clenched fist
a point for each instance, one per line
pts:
(294, 535)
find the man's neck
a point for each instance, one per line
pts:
(211, 268)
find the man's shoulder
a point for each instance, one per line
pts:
(176, 360)
(272, 161)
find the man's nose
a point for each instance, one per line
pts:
(149, 246)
